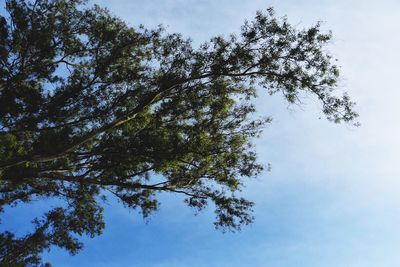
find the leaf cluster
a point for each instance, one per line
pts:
(90, 107)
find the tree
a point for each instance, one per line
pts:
(92, 108)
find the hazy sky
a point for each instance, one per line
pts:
(332, 197)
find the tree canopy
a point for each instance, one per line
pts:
(92, 108)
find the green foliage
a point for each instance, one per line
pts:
(90, 106)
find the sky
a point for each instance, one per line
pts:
(332, 196)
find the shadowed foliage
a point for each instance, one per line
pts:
(90, 107)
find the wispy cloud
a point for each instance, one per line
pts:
(332, 196)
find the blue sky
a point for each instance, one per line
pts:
(332, 197)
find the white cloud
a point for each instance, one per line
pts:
(344, 180)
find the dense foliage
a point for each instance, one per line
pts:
(90, 107)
